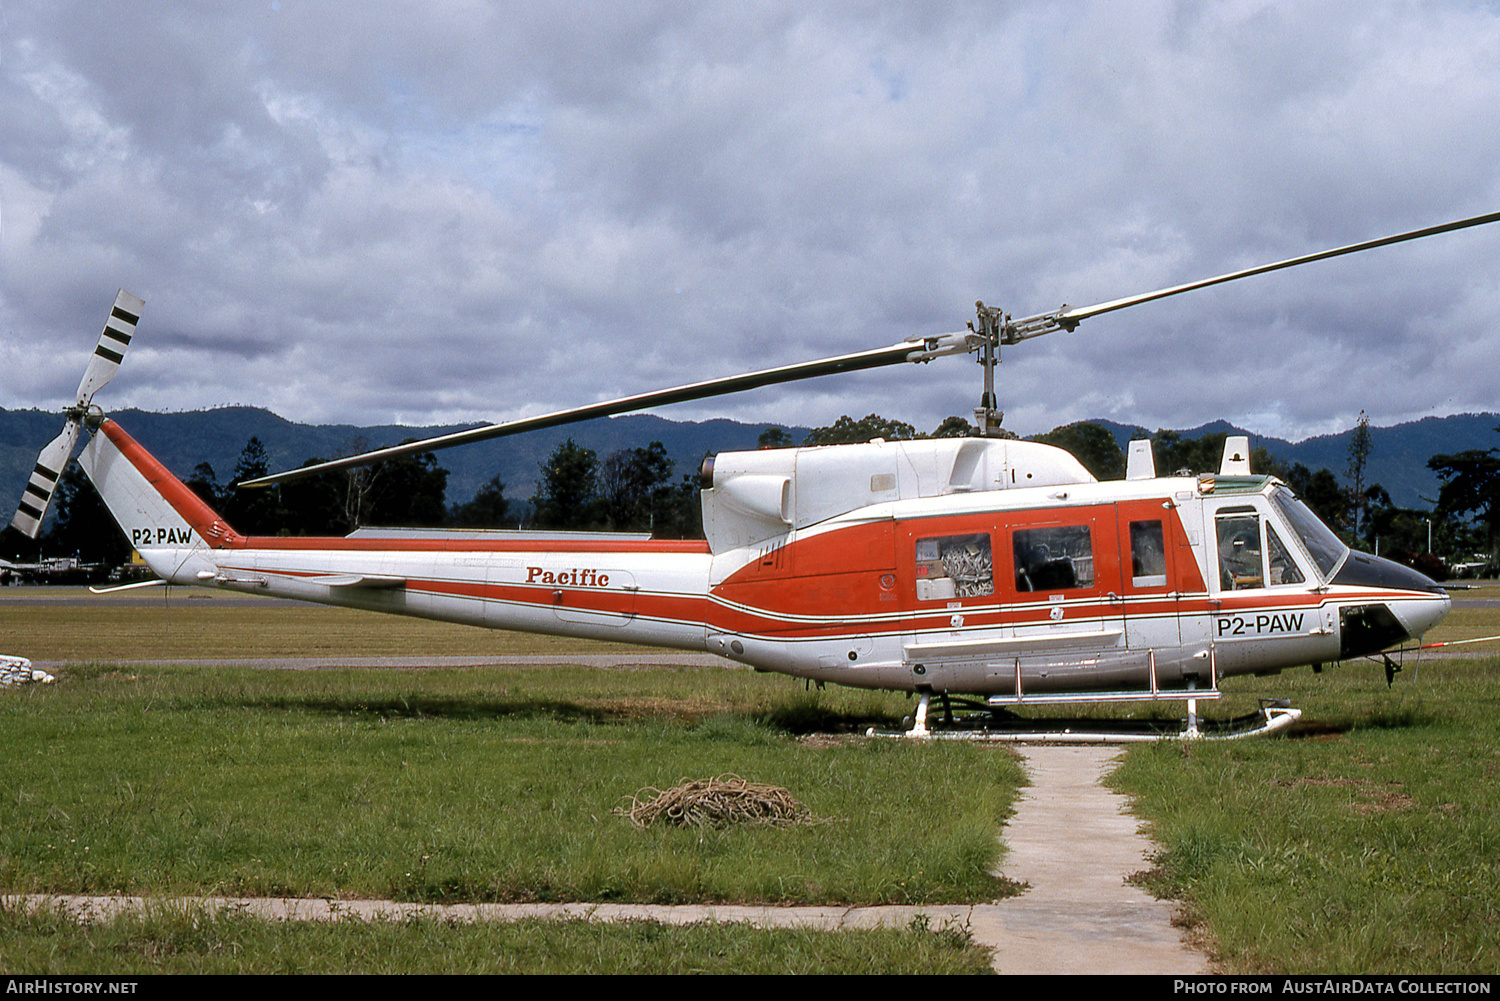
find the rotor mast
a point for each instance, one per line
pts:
(996, 328)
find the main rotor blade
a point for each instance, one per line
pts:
(1069, 318)
(922, 349)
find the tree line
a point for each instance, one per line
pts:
(638, 490)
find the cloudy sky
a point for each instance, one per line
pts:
(433, 212)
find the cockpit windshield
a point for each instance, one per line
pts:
(1324, 547)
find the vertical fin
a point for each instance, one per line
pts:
(167, 523)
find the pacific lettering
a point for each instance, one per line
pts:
(574, 577)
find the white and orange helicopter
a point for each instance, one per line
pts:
(987, 572)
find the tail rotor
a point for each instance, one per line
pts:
(102, 366)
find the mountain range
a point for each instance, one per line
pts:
(1397, 461)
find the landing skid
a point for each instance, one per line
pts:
(993, 723)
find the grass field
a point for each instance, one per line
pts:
(1368, 843)
(476, 784)
(233, 944)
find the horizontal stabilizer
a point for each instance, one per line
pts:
(373, 581)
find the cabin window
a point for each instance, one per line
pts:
(1240, 564)
(1054, 559)
(1148, 554)
(954, 566)
(1283, 569)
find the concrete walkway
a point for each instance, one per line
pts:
(1074, 843)
(1070, 839)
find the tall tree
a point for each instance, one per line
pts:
(1359, 456)
(1322, 493)
(205, 483)
(568, 492)
(1471, 483)
(488, 509)
(407, 491)
(954, 427)
(316, 505)
(774, 438)
(632, 486)
(1174, 453)
(679, 512)
(258, 511)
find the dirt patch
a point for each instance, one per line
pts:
(1379, 798)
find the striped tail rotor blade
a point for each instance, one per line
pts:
(105, 361)
(43, 483)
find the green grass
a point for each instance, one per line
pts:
(198, 943)
(1369, 843)
(189, 623)
(477, 785)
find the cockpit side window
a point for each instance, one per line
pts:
(1283, 567)
(1241, 564)
(1325, 548)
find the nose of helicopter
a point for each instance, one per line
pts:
(1417, 615)
(1411, 604)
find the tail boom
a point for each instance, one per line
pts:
(615, 588)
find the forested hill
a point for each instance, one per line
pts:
(1398, 456)
(182, 440)
(1398, 460)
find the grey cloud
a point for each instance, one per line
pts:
(471, 211)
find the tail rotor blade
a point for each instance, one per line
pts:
(43, 482)
(102, 366)
(105, 361)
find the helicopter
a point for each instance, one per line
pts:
(983, 571)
